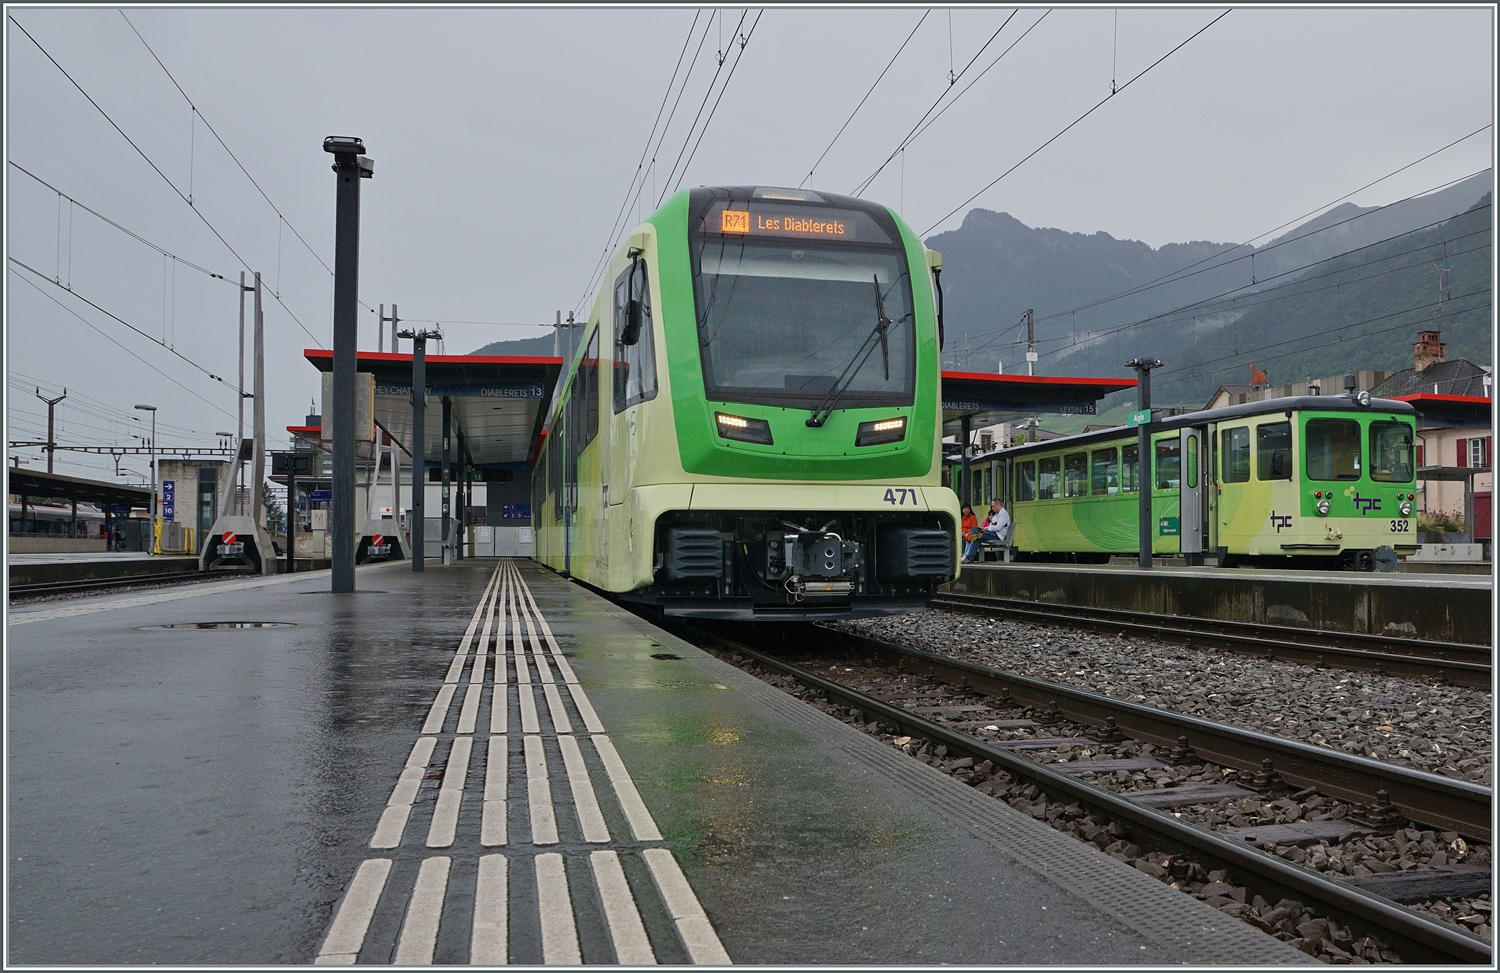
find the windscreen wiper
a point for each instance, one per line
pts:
(881, 332)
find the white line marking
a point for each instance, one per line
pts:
(498, 721)
(463, 646)
(557, 655)
(538, 655)
(585, 708)
(488, 944)
(560, 721)
(451, 795)
(692, 922)
(391, 826)
(589, 818)
(527, 702)
(421, 752)
(559, 935)
(539, 794)
(641, 824)
(346, 935)
(470, 712)
(419, 931)
(523, 671)
(438, 714)
(492, 823)
(632, 948)
(481, 653)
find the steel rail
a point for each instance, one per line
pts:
(1446, 803)
(1456, 662)
(64, 587)
(1418, 937)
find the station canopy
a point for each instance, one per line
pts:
(986, 399)
(1461, 411)
(498, 402)
(35, 483)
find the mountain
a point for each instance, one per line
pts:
(995, 267)
(520, 346)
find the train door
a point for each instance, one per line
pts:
(634, 373)
(1192, 513)
(569, 495)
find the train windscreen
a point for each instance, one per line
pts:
(785, 314)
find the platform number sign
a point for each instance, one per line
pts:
(169, 499)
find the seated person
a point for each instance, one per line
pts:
(968, 524)
(996, 528)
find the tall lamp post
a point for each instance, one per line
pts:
(1145, 477)
(152, 409)
(352, 167)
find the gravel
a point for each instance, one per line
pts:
(1441, 729)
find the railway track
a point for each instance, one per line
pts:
(1456, 662)
(1454, 805)
(106, 584)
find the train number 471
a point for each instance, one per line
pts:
(897, 497)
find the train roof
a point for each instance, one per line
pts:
(1289, 404)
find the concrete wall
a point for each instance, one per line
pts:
(1337, 604)
(42, 544)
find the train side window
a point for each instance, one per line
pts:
(1235, 451)
(1130, 468)
(1168, 464)
(1273, 451)
(1026, 480)
(634, 364)
(1390, 452)
(1076, 475)
(1047, 471)
(1332, 451)
(1192, 462)
(1106, 472)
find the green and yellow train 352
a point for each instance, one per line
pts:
(1317, 481)
(751, 425)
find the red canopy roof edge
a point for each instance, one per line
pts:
(1434, 397)
(317, 355)
(1115, 383)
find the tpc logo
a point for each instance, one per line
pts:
(1365, 505)
(1281, 520)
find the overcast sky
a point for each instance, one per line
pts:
(505, 140)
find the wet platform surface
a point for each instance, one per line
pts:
(484, 763)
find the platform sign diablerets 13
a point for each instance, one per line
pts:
(169, 499)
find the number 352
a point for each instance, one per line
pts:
(1401, 527)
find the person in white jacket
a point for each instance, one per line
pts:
(996, 528)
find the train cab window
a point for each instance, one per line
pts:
(1076, 475)
(1390, 452)
(1273, 451)
(1105, 472)
(1168, 464)
(1026, 480)
(1235, 451)
(1047, 475)
(634, 363)
(1332, 449)
(1130, 468)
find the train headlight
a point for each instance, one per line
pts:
(1406, 508)
(1323, 508)
(745, 430)
(881, 431)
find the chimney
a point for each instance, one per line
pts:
(1429, 350)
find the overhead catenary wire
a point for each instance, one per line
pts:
(744, 42)
(154, 341)
(639, 175)
(702, 105)
(878, 79)
(1183, 273)
(1179, 273)
(123, 229)
(1075, 122)
(865, 183)
(157, 169)
(112, 340)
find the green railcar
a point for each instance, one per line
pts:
(1323, 481)
(750, 427)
